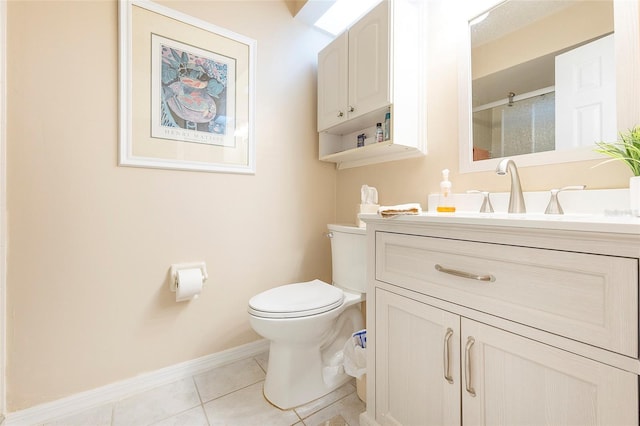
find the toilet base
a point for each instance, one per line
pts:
(293, 384)
(302, 372)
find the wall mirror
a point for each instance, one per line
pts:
(542, 80)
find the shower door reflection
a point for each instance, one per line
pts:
(520, 125)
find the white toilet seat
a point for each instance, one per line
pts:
(296, 300)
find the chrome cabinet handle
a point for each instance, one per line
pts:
(447, 366)
(463, 274)
(340, 114)
(467, 366)
(351, 109)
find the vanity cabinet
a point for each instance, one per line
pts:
(369, 70)
(508, 379)
(500, 325)
(417, 367)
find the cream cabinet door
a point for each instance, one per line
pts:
(369, 62)
(511, 380)
(417, 363)
(333, 83)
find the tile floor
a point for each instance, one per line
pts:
(229, 395)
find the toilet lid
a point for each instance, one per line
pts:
(296, 300)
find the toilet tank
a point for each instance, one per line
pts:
(349, 257)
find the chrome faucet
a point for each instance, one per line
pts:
(516, 199)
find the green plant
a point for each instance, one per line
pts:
(626, 149)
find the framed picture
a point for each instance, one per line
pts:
(187, 91)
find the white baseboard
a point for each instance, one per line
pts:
(116, 391)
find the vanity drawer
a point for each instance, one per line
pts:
(586, 297)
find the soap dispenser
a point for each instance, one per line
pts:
(445, 202)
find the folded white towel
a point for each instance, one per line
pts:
(400, 209)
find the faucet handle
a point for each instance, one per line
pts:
(554, 206)
(486, 202)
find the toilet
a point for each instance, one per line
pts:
(308, 324)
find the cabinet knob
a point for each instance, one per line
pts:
(340, 114)
(351, 109)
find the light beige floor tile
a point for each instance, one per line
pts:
(99, 416)
(247, 407)
(335, 421)
(349, 408)
(320, 403)
(157, 404)
(193, 417)
(223, 380)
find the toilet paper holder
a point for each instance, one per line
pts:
(173, 281)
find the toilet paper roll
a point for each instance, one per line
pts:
(189, 284)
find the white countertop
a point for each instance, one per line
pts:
(612, 223)
(587, 211)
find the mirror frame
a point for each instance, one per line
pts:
(626, 27)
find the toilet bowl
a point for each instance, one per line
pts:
(308, 324)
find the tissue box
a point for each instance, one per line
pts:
(366, 208)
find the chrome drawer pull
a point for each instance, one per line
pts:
(463, 274)
(467, 365)
(447, 367)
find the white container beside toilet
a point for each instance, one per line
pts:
(308, 324)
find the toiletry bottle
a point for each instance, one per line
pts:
(361, 138)
(379, 135)
(387, 126)
(445, 203)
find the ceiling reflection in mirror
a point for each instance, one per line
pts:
(543, 77)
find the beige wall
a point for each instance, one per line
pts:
(90, 243)
(412, 180)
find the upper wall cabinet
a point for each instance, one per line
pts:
(333, 83)
(373, 68)
(353, 76)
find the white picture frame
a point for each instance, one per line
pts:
(187, 92)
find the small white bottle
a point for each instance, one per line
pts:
(446, 203)
(379, 133)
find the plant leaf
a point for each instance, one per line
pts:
(626, 149)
